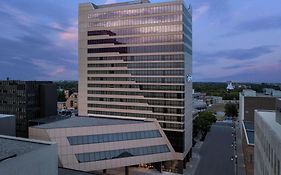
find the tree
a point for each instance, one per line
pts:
(231, 109)
(61, 96)
(202, 123)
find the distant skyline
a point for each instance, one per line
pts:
(232, 40)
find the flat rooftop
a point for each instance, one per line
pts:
(121, 3)
(49, 119)
(269, 117)
(84, 121)
(13, 146)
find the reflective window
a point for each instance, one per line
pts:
(175, 64)
(113, 137)
(136, 12)
(175, 80)
(138, 40)
(138, 21)
(142, 87)
(158, 116)
(140, 58)
(167, 110)
(121, 153)
(138, 30)
(140, 49)
(138, 72)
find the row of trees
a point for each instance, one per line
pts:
(231, 109)
(216, 89)
(202, 124)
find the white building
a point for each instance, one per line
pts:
(19, 156)
(268, 142)
(93, 143)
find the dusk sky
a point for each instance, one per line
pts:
(238, 40)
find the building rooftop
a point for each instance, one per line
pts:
(49, 119)
(269, 117)
(121, 3)
(249, 92)
(13, 146)
(84, 121)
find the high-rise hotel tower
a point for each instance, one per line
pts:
(135, 60)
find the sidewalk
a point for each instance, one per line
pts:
(194, 161)
(241, 165)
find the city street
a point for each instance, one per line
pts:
(216, 151)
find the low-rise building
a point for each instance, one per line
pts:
(66, 93)
(272, 92)
(7, 125)
(27, 100)
(27, 157)
(199, 105)
(268, 141)
(276, 93)
(96, 143)
(61, 105)
(72, 101)
(249, 101)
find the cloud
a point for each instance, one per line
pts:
(241, 53)
(230, 64)
(110, 1)
(255, 25)
(216, 8)
(32, 45)
(48, 68)
(20, 16)
(70, 34)
(198, 12)
(262, 73)
(233, 66)
(260, 24)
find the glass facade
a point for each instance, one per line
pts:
(136, 63)
(136, 12)
(156, 29)
(139, 58)
(113, 137)
(138, 40)
(141, 49)
(25, 100)
(121, 153)
(138, 21)
(159, 116)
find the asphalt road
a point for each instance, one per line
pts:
(216, 152)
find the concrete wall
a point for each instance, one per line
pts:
(278, 110)
(48, 100)
(267, 144)
(253, 103)
(43, 161)
(67, 152)
(8, 125)
(248, 151)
